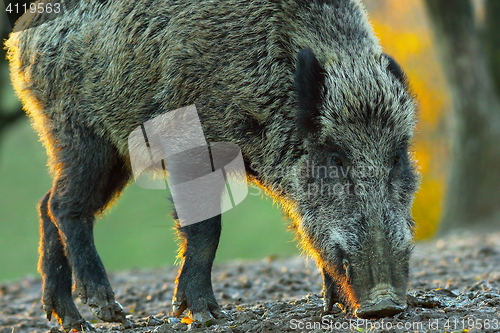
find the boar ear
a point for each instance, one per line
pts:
(309, 86)
(395, 69)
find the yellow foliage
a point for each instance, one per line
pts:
(404, 43)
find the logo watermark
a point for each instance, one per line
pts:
(205, 179)
(322, 180)
(328, 324)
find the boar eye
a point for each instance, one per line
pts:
(395, 160)
(337, 161)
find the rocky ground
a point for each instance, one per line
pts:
(455, 287)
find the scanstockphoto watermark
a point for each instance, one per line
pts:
(319, 189)
(323, 180)
(311, 169)
(354, 325)
(323, 188)
(361, 325)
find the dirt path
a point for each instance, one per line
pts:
(455, 287)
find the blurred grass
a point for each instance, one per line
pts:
(136, 232)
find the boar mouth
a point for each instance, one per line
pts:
(383, 302)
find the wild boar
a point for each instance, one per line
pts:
(302, 87)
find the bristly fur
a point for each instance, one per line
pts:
(296, 84)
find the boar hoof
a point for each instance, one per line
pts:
(383, 308)
(205, 317)
(110, 312)
(80, 326)
(330, 307)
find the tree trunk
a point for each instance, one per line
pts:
(473, 195)
(492, 40)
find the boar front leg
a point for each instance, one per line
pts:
(194, 284)
(330, 292)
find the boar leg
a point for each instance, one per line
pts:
(88, 174)
(194, 285)
(330, 292)
(56, 275)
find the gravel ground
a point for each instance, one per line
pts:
(455, 287)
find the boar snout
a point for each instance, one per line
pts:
(383, 302)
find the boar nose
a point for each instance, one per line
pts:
(383, 308)
(382, 302)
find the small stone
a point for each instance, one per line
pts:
(165, 328)
(174, 320)
(153, 321)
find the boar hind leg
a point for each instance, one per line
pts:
(194, 285)
(88, 175)
(56, 275)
